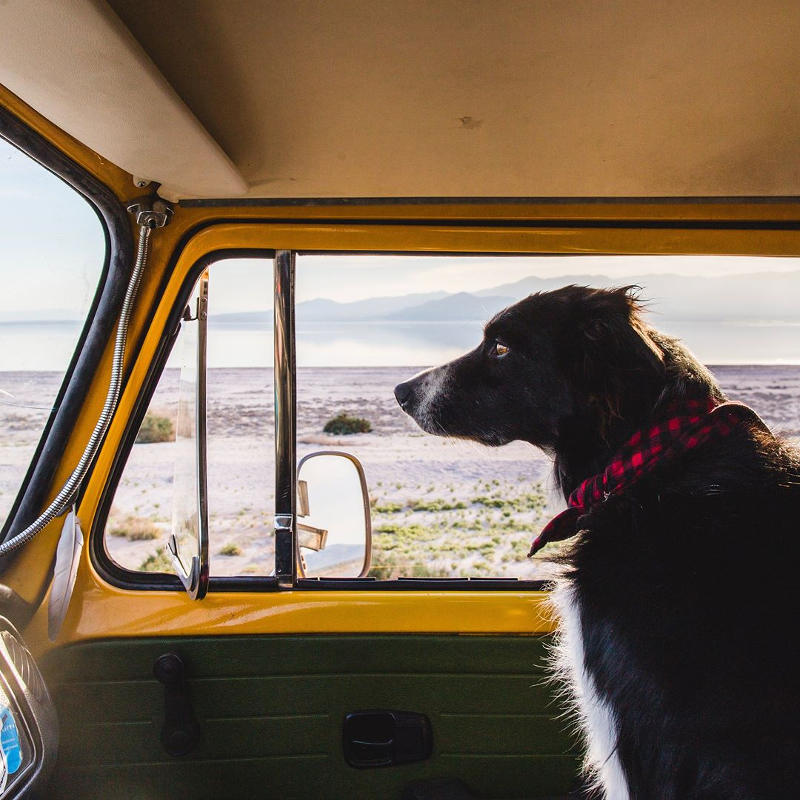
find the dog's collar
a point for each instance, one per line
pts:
(687, 426)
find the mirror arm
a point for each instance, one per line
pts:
(303, 509)
(315, 539)
(189, 578)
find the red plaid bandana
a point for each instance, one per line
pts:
(691, 424)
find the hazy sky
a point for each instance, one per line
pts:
(51, 241)
(51, 253)
(348, 278)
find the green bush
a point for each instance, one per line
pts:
(157, 562)
(230, 549)
(345, 424)
(387, 508)
(437, 505)
(489, 502)
(155, 429)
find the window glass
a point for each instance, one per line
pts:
(452, 508)
(440, 507)
(241, 482)
(52, 249)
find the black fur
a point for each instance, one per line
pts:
(687, 582)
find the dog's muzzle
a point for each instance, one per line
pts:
(403, 392)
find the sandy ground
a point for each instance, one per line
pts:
(439, 507)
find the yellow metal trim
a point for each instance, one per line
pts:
(437, 238)
(607, 210)
(100, 610)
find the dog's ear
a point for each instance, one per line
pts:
(612, 324)
(622, 368)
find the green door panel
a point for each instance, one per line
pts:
(271, 710)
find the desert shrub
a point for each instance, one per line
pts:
(230, 549)
(143, 534)
(384, 570)
(155, 429)
(380, 572)
(345, 424)
(387, 508)
(437, 505)
(136, 529)
(384, 542)
(157, 562)
(489, 502)
(424, 571)
(117, 529)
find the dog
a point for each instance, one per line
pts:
(677, 594)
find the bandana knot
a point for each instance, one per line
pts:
(687, 426)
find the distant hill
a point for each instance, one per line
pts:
(533, 283)
(374, 308)
(772, 296)
(323, 310)
(461, 306)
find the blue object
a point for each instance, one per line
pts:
(9, 740)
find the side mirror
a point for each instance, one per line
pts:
(334, 528)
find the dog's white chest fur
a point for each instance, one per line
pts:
(595, 716)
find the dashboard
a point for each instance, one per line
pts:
(28, 723)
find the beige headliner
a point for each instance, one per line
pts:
(416, 98)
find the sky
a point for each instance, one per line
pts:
(347, 278)
(51, 254)
(51, 242)
(52, 249)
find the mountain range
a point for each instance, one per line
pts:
(770, 296)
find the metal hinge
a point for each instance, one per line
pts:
(284, 549)
(152, 212)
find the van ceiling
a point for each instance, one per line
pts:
(433, 98)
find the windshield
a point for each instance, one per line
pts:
(52, 250)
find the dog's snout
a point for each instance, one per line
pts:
(402, 393)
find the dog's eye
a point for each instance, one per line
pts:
(498, 350)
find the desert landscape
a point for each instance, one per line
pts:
(439, 507)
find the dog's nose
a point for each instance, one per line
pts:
(403, 392)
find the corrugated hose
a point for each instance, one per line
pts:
(64, 499)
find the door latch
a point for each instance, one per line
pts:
(384, 738)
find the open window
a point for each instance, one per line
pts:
(377, 499)
(198, 484)
(453, 509)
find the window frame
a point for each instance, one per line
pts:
(285, 457)
(99, 322)
(232, 228)
(107, 568)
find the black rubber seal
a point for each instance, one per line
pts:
(316, 202)
(100, 320)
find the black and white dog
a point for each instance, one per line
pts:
(679, 595)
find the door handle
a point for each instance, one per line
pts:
(180, 732)
(383, 738)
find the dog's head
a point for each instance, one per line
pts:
(557, 364)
